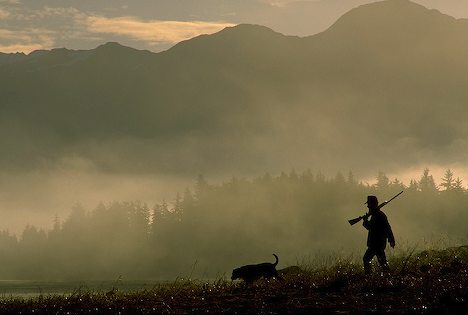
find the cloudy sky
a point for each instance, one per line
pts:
(27, 25)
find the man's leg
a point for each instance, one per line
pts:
(370, 253)
(383, 260)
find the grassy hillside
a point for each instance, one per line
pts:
(429, 282)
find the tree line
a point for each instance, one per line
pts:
(212, 228)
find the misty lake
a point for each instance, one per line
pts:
(32, 288)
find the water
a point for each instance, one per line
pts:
(31, 288)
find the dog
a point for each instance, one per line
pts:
(251, 273)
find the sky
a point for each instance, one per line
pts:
(156, 25)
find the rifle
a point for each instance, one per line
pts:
(356, 220)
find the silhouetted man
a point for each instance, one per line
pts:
(379, 231)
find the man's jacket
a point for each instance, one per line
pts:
(379, 230)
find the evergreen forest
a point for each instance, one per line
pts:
(209, 229)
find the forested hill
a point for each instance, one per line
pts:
(390, 76)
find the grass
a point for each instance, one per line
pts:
(428, 282)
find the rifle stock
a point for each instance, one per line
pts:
(356, 220)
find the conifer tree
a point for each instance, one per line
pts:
(427, 183)
(448, 181)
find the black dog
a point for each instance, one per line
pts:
(250, 273)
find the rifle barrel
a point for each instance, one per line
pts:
(395, 196)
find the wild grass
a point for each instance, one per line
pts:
(422, 282)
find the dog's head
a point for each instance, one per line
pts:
(236, 274)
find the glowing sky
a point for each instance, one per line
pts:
(27, 25)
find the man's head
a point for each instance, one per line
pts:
(372, 203)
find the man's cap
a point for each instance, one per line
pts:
(372, 200)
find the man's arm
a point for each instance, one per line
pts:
(366, 223)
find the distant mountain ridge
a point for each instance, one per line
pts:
(388, 76)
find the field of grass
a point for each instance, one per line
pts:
(428, 282)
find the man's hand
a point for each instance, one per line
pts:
(392, 244)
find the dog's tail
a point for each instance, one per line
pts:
(276, 262)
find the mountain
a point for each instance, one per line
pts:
(382, 88)
(7, 58)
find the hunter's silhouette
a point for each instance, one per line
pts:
(379, 231)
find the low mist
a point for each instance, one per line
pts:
(36, 198)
